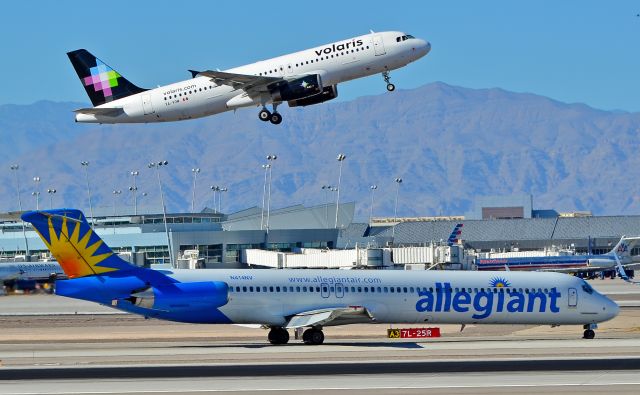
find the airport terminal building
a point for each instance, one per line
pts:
(220, 238)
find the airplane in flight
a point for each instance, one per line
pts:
(285, 299)
(566, 263)
(299, 79)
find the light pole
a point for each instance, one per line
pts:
(134, 191)
(215, 188)
(220, 199)
(193, 195)
(37, 192)
(15, 169)
(395, 209)
(264, 194)
(51, 192)
(340, 158)
(373, 188)
(37, 196)
(156, 166)
(116, 193)
(327, 189)
(85, 166)
(270, 158)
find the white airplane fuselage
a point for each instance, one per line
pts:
(269, 297)
(199, 97)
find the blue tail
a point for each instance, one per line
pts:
(453, 237)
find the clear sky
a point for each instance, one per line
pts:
(572, 51)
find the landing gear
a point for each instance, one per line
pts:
(278, 335)
(264, 115)
(274, 117)
(387, 79)
(313, 336)
(589, 332)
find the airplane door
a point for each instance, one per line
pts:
(378, 45)
(573, 297)
(324, 290)
(147, 106)
(282, 69)
(339, 290)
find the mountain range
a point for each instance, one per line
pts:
(449, 145)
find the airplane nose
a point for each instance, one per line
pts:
(610, 309)
(427, 47)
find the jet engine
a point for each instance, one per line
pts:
(180, 296)
(298, 88)
(328, 93)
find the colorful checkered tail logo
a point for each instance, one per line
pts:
(102, 83)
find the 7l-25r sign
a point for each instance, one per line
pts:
(412, 333)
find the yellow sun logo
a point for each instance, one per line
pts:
(499, 282)
(72, 251)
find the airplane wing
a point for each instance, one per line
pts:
(251, 84)
(331, 317)
(107, 112)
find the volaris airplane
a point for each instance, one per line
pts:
(288, 299)
(300, 79)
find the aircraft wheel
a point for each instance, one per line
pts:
(264, 115)
(276, 118)
(278, 336)
(391, 87)
(313, 336)
(589, 334)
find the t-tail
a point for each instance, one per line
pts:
(102, 83)
(77, 248)
(455, 235)
(622, 250)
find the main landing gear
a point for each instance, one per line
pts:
(273, 117)
(278, 335)
(312, 336)
(387, 79)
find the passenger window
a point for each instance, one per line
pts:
(404, 289)
(244, 289)
(379, 290)
(353, 289)
(324, 289)
(359, 289)
(346, 289)
(331, 289)
(297, 289)
(277, 289)
(411, 289)
(270, 289)
(386, 290)
(392, 289)
(373, 289)
(366, 289)
(257, 289)
(304, 289)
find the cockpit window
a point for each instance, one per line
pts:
(586, 287)
(409, 36)
(404, 38)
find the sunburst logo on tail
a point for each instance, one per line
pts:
(78, 252)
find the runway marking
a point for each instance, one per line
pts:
(415, 387)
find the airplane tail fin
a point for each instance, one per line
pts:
(624, 246)
(77, 248)
(455, 234)
(102, 83)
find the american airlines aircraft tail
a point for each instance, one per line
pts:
(312, 299)
(300, 79)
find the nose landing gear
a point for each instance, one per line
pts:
(387, 79)
(273, 117)
(589, 332)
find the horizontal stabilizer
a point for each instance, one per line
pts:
(330, 317)
(106, 112)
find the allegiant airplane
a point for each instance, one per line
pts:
(300, 79)
(291, 299)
